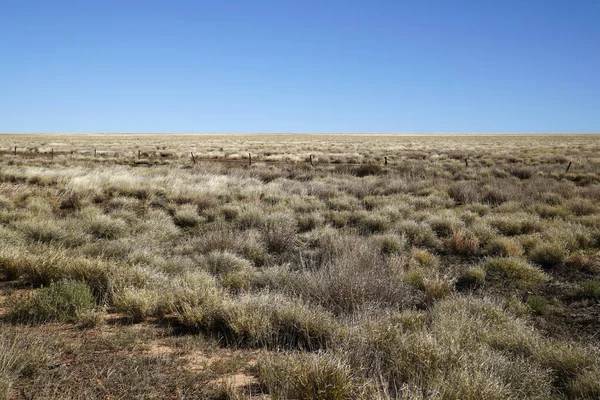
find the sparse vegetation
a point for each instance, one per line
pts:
(160, 277)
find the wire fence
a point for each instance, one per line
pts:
(194, 158)
(153, 156)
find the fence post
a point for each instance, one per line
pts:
(466, 161)
(139, 154)
(15, 150)
(52, 153)
(193, 158)
(311, 160)
(569, 166)
(94, 152)
(385, 160)
(249, 159)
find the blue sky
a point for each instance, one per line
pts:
(299, 66)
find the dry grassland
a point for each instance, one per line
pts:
(468, 267)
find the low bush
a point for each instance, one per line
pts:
(64, 301)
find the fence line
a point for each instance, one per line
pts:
(141, 156)
(251, 159)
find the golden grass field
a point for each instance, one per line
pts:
(468, 267)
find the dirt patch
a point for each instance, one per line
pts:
(11, 290)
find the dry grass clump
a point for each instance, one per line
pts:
(504, 247)
(389, 243)
(279, 233)
(271, 321)
(471, 278)
(51, 265)
(463, 242)
(187, 217)
(548, 255)
(418, 234)
(580, 261)
(512, 225)
(516, 270)
(312, 376)
(450, 355)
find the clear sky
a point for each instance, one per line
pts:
(299, 66)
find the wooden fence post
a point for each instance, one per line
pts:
(311, 160)
(249, 159)
(15, 150)
(466, 161)
(139, 154)
(52, 153)
(385, 160)
(193, 158)
(569, 166)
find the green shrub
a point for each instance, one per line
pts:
(548, 255)
(424, 259)
(64, 301)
